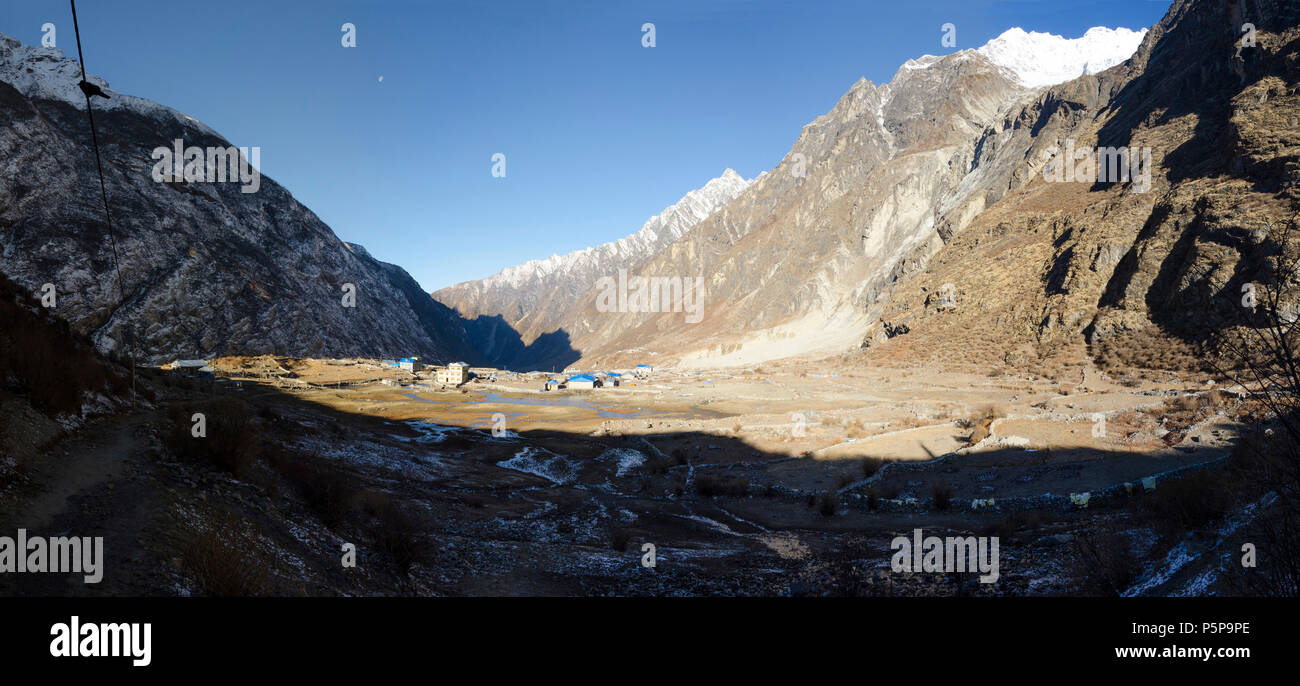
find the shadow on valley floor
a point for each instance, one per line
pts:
(502, 346)
(280, 491)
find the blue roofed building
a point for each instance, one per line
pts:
(582, 381)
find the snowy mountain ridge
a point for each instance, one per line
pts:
(657, 232)
(42, 73)
(1044, 59)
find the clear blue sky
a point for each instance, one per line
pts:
(599, 132)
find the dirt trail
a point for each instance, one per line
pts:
(85, 463)
(91, 484)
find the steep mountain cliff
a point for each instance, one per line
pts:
(1141, 275)
(206, 267)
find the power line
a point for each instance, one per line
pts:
(103, 191)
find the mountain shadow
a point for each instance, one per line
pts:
(500, 345)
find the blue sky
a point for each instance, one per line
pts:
(599, 132)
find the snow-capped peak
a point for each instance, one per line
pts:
(42, 73)
(1044, 59)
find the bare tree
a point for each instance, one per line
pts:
(1260, 355)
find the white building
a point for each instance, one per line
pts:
(454, 374)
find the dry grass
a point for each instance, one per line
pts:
(1150, 348)
(981, 422)
(1009, 527)
(224, 562)
(41, 358)
(232, 439)
(709, 485)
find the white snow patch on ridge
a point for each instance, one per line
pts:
(42, 73)
(657, 232)
(1045, 59)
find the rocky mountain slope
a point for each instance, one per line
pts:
(1141, 277)
(206, 268)
(531, 300)
(800, 260)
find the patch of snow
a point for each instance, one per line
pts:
(628, 459)
(1044, 59)
(543, 463)
(429, 432)
(42, 73)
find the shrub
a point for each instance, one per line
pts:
(709, 485)
(828, 503)
(232, 442)
(1189, 503)
(619, 538)
(981, 423)
(1104, 564)
(942, 493)
(325, 491)
(844, 479)
(223, 562)
(871, 465)
(1011, 525)
(397, 537)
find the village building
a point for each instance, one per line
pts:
(410, 364)
(643, 370)
(454, 374)
(190, 367)
(582, 381)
